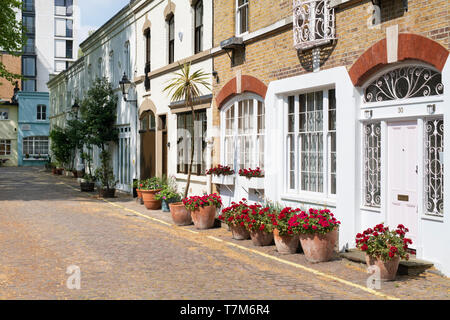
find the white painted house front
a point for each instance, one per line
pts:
(365, 139)
(388, 153)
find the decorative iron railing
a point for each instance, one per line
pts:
(314, 23)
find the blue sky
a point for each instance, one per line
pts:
(94, 13)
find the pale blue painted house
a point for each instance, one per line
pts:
(34, 127)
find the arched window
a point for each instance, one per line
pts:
(243, 128)
(410, 81)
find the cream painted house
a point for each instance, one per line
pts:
(8, 134)
(147, 41)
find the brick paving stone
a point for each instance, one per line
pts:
(127, 252)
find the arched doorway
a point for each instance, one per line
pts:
(403, 143)
(147, 134)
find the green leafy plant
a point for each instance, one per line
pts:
(186, 86)
(385, 244)
(169, 195)
(104, 174)
(98, 111)
(153, 183)
(12, 38)
(60, 146)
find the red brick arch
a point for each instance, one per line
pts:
(410, 46)
(248, 84)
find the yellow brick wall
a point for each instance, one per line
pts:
(274, 57)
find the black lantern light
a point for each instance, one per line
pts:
(125, 84)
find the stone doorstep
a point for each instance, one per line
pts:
(409, 267)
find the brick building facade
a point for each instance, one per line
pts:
(352, 120)
(13, 65)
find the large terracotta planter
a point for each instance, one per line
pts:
(148, 196)
(261, 238)
(319, 247)
(180, 215)
(204, 217)
(388, 269)
(239, 232)
(286, 244)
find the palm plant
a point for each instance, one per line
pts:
(185, 86)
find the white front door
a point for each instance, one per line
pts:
(402, 177)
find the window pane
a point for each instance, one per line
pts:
(29, 66)
(29, 85)
(372, 164)
(434, 167)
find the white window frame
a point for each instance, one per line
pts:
(326, 149)
(238, 17)
(5, 142)
(40, 112)
(124, 167)
(34, 140)
(254, 161)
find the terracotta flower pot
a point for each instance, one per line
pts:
(388, 269)
(139, 196)
(204, 217)
(261, 238)
(180, 215)
(239, 232)
(319, 247)
(148, 196)
(286, 244)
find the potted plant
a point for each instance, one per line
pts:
(87, 183)
(286, 241)
(203, 209)
(167, 196)
(149, 189)
(221, 175)
(318, 232)
(384, 248)
(235, 216)
(254, 178)
(138, 184)
(260, 225)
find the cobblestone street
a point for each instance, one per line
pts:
(127, 252)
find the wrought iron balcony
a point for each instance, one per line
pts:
(314, 23)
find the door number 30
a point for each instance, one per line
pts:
(400, 109)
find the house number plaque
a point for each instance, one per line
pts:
(402, 197)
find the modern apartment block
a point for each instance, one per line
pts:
(51, 45)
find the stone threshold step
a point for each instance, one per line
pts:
(413, 266)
